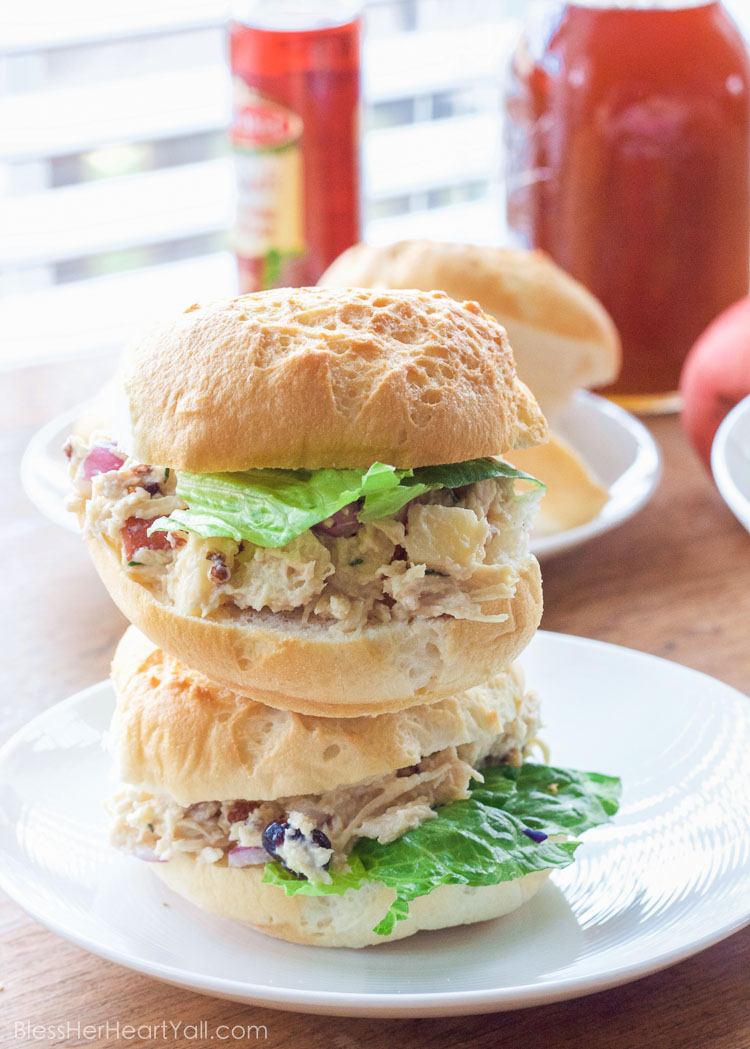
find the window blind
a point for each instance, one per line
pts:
(116, 188)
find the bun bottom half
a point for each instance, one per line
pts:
(336, 921)
(323, 670)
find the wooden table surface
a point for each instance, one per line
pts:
(674, 581)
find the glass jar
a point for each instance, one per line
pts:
(628, 160)
(295, 137)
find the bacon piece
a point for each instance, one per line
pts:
(135, 537)
(101, 460)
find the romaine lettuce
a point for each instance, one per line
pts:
(272, 507)
(480, 841)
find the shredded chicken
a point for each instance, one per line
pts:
(381, 807)
(451, 553)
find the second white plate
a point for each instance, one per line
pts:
(666, 879)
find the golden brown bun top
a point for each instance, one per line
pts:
(177, 731)
(313, 377)
(522, 289)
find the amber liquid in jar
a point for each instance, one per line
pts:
(628, 161)
(296, 140)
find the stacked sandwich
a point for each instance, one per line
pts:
(319, 724)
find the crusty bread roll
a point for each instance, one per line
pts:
(309, 668)
(562, 337)
(177, 731)
(313, 377)
(336, 921)
(573, 496)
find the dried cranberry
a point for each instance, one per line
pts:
(319, 838)
(274, 836)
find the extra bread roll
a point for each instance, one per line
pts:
(336, 921)
(322, 670)
(313, 377)
(177, 731)
(562, 337)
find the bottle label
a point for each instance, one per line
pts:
(266, 139)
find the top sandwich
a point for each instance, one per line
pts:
(296, 475)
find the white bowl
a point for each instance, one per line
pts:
(730, 461)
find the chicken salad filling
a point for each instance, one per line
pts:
(440, 551)
(311, 835)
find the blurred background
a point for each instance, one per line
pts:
(116, 187)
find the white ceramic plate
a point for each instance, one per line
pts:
(622, 455)
(666, 879)
(730, 461)
(619, 450)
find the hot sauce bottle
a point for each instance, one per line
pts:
(295, 138)
(628, 155)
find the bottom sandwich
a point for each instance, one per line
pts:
(340, 831)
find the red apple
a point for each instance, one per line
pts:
(716, 375)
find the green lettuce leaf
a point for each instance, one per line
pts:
(479, 841)
(272, 507)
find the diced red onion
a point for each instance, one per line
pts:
(147, 854)
(102, 459)
(341, 525)
(247, 856)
